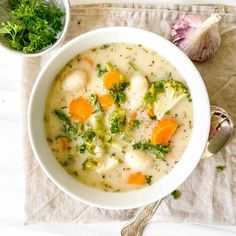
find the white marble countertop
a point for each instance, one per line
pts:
(11, 170)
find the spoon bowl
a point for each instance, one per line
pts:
(220, 132)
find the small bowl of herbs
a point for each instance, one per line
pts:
(33, 27)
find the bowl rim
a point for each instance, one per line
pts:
(47, 49)
(205, 109)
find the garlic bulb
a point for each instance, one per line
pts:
(198, 39)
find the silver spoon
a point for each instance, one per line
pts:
(220, 132)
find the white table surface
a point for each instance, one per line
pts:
(12, 177)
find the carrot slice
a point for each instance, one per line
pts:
(137, 178)
(111, 78)
(150, 111)
(105, 100)
(81, 109)
(164, 130)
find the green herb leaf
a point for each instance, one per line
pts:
(117, 120)
(88, 136)
(153, 117)
(117, 92)
(167, 113)
(136, 123)
(189, 98)
(137, 145)
(33, 25)
(118, 97)
(148, 179)
(110, 67)
(70, 128)
(220, 168)
(117, 126)
(101, 70)
(96, 104)
(158, 149)
(176, 194)
(82, 148)
(122, 86)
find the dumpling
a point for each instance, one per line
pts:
(138, 160)
(138, 88)
(76, 80)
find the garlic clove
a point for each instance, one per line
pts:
(198, 39)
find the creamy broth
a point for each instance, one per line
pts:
(108, 160)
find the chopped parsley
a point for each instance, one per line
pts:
(117, 92)
(220, 168)
(159, 150)
(87, 139)
(88, 136)
(82, 148)
(148, 179)
(117, 120)
(189, 98)
(137, 145)
(167, 113)
(176, 194)
(71, 129)
(96, 104)
(101, 70)
(153, 117)
(117, 125)
(136, 123)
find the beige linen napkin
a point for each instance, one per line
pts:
(207, 196)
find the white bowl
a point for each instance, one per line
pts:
(191, 156)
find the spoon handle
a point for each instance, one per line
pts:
(136, 226)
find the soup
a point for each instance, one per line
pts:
(118, 117)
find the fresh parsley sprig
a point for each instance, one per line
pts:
(101, 70)
(159, 150)
(32, 25)
(117, 92)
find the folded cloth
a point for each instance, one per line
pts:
(206, 196)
